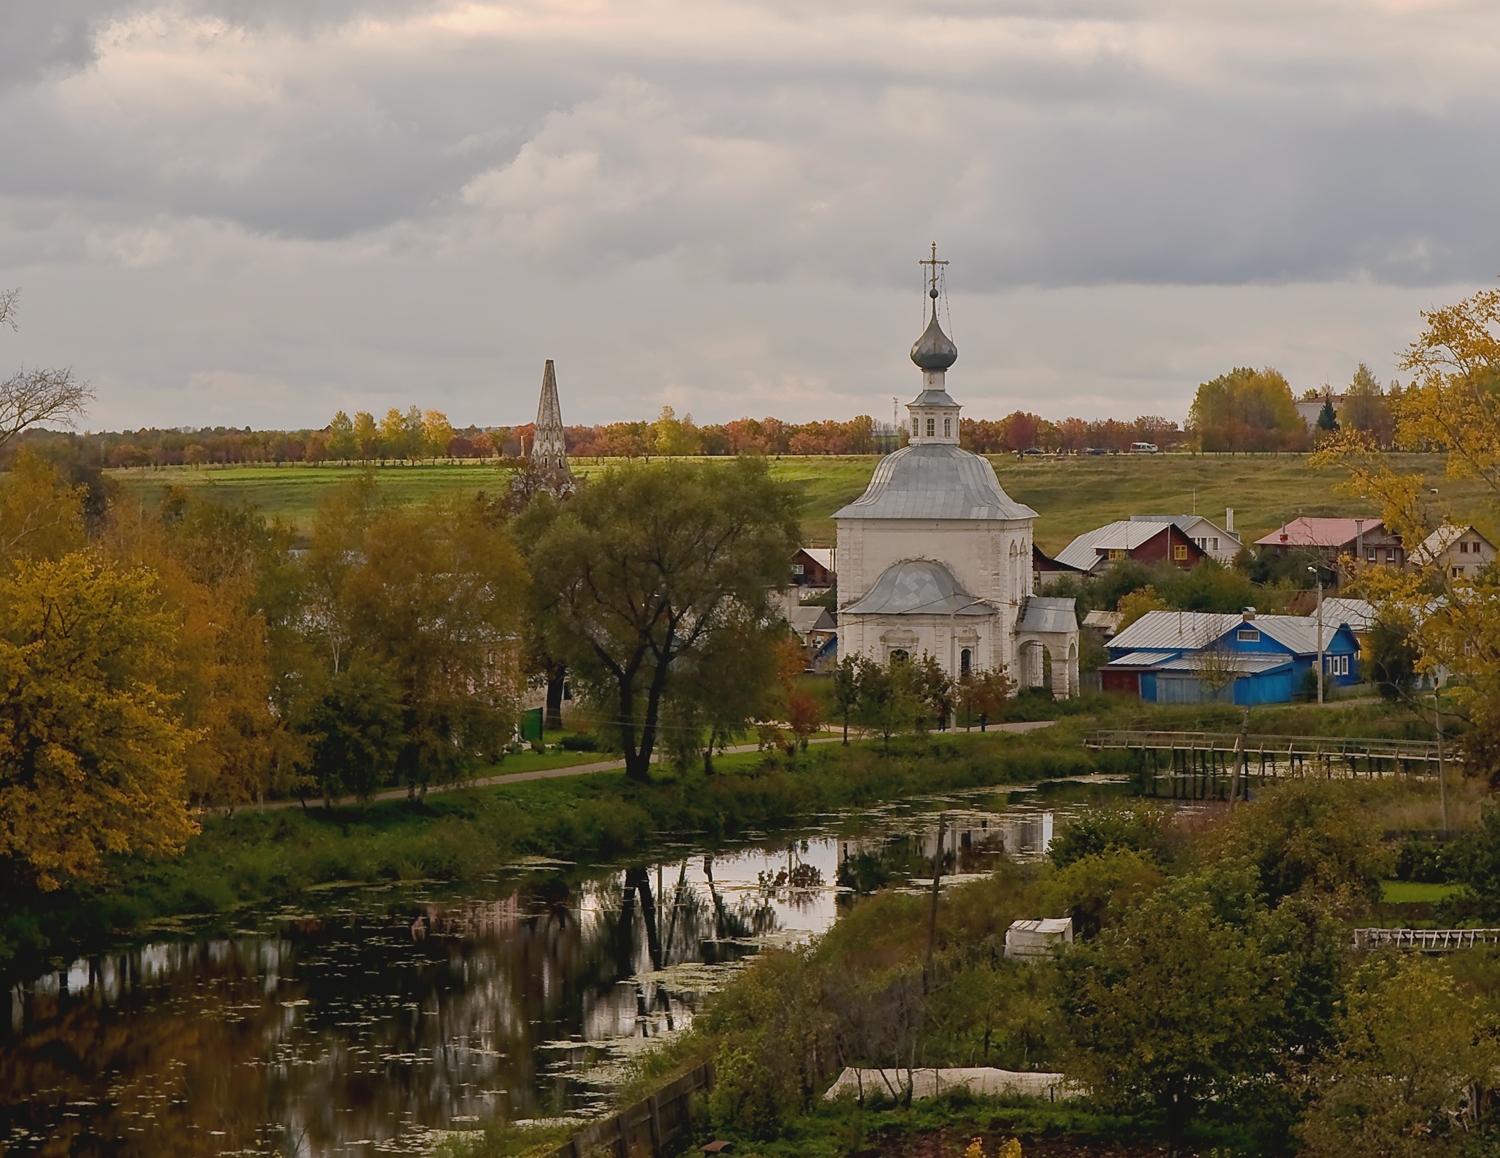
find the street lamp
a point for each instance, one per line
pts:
(1319, 576)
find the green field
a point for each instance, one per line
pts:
(1071, 495)
(1414, 892)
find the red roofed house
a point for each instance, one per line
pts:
(1333, 539)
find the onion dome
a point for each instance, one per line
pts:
(934, 349)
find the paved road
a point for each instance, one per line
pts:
(602, 766)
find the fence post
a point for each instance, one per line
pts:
(655, 1110)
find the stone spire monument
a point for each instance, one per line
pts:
(548, 447)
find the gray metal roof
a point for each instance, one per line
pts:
(1192, 630)
(917, 587)
(1245, 663)
(933, 398)
(1121, 535)
(1048, 613)
(811, 618)
(934, 481)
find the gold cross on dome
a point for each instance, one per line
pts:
(934, 263)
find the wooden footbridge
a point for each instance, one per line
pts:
(1425, 940)
(1209, 765)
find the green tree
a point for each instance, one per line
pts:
(1176, 1006)
(1327, 419)
(845, 687)
(1393, 653)
(646, 566)
(341, 440)
(1410, 1048)
(1097, 889)
(901, 697)
(366, 436)
(1247, 410)
(91, 751)
(356, 727)
(1307, 836)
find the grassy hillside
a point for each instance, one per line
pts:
(1071, 494)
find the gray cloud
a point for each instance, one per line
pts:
(303, 201)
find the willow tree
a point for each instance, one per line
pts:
(641, 575)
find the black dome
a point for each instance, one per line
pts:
(934, 349)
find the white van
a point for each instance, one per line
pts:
(1143, 448)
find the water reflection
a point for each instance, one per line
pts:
(362, 1024)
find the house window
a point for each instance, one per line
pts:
(965, 662)
(1370, 556)
(1457, 571)
(1115, 554)
(947, 428)
(1247, 635)
(1463, 548)
(1179, 551)
(1215, 542)
(796, 568)
(931, 427)
(1390, 554)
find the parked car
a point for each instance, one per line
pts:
(1033, 452)
(1144, 448)
(1096, 450)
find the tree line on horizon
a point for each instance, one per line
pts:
(1245, 410)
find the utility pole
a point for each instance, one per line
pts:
(1319, 576)
(1437, 715)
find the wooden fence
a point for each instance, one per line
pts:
(1425, 940)
(646, 1127)
(1201, 765)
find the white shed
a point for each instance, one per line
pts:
(1030, 940)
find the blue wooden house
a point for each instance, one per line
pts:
(1186, 657)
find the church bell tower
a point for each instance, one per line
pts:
(933, 414)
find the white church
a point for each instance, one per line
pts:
(936, 558)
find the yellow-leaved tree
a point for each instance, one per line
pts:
(91, 750)
(1452, 406)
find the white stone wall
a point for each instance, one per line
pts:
(989, 558)
(875, 637)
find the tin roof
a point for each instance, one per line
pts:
(1194, 630)
(917, 587)
(1048, 613)
(1121, 535)
(934, 481)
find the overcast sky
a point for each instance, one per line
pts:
(256, 212)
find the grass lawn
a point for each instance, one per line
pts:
(1414, 892)
(1071, 495)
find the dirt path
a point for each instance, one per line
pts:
(599, 766)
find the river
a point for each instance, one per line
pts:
(369, 1020)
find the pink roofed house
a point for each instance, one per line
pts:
(1332, 539)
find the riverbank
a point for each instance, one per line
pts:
(255, 858)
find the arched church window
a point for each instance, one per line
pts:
(965, 662)
(947, 428)
(899, 654)
(931, 427)
(914, 428)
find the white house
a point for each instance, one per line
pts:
(936, 558)
(1458, 552)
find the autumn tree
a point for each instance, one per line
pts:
(366, 435)
(91, 750)
(644, 569)
(211, 559)
(41, 517)
(1452, 406)
(1247, 410)
(37, 395)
